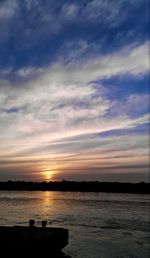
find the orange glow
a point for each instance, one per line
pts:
(48, 175)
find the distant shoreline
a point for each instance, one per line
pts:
(75, 186)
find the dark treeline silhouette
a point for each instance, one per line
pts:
(84, 186)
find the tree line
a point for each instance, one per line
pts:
(84, 186)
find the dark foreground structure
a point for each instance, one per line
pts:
(23, 241)
(74, 186)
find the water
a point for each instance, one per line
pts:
(101, 225)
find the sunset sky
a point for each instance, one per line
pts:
(74, 90)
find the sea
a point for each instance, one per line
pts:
(101, 225)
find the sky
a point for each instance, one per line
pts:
(74, 90)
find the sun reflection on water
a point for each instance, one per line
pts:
(48, 205)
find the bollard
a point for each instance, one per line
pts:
(31, 223)
(44, 222)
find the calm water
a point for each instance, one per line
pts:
(101, 225)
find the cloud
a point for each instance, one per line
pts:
(132, 60)
(69, 11)
(53, 111)
(76, 50)
(105, 12)
(63, 96)
(111, 13)
(84, 154)
(57, 114)
(38, 40)
(54, 108)
(134, 105)
(8, 9)
(30, 4)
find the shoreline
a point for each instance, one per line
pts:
(75, 186)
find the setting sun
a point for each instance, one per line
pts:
(49, 174)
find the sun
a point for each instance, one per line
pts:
(49, 174)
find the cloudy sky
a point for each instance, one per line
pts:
(74, 90)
